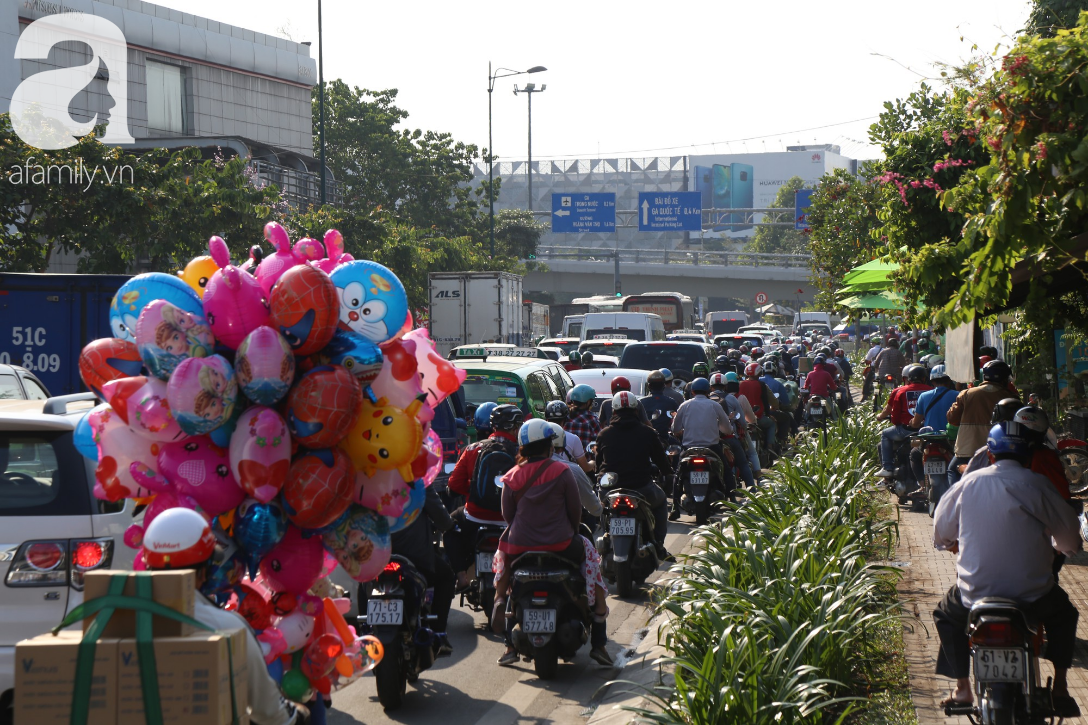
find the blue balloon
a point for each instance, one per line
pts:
(135, 294)
(83, 437)
(361, 357)
(221, 435)
(275, 670)
(417, 495)
(257, 528)
(372, 300)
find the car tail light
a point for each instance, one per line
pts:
(996, 633)
(39, 564)
(89, 555)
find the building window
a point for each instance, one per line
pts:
(165, 97)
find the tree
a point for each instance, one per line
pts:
(1049, 16)
(517, 233)
(781, 240)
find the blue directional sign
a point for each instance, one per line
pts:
(576, 213)
(670, 211)
(802, 200)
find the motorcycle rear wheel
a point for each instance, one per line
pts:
(625, 584)
(390, 679)
(546, 660)
(702, 512)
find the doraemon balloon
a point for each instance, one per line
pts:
(142, 289)
(373, 302)
(234, 303)
(274, 265)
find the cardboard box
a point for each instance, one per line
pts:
(194, 679)
(45, 674)
(174, 589)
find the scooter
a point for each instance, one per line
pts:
(937, 455)
(902, 484)
(1074, 457)
(481, 592)
(700, 472)
(1005, 649)
(398, 610)
(625, 536)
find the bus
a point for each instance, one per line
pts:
(598, 303)
(676, 310)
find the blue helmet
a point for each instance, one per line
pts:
(700, 385)
(482, 417)
(667, 373)
(582, 393)
(1008, 438)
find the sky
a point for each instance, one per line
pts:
(635, 78)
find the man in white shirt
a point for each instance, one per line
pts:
(1004, 523)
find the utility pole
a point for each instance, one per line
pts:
(321, 92)
(530, 89)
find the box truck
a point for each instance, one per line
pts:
(536, 321)
(467, 308)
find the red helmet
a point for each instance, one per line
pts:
(840, 353)
(757, 352)
(983, 360)
(743, 349)
(178, 538)
(620, 383)
(624, 400)
(751, 370)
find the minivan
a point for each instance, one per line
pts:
(635, 326)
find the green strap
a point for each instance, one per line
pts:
(144, 608)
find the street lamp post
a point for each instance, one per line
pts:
(529, 90)
(321, 93)
(493, 76)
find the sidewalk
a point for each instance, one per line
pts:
(927, 575)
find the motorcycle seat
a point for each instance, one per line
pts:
(545, 565)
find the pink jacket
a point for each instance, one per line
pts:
(541, 506)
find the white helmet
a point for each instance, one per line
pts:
(178, 538)
(624, 400)
(560, 441)
(536, 429)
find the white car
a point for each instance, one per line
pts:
(601, 381)
(53, 528)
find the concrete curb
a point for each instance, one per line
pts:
(641, 672)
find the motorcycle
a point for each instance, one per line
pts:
(1074, 457)
(398, 610)
(700, 473)
(937, 454)
(550, 609)
(625, 536)
(867, 375)
(817, 412)
(903, 484)
(1005, 651)
(481, 592)
(880, 397)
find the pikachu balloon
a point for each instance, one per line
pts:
(385, 437)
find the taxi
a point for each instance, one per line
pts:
(524, 377)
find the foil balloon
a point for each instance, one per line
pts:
(384, 492)
(254, 607)
(358, 355)
(296, 687)
(138, 292)
(305, 308)
(370, 654)
(437, 376)
(197, 273)
(118, 448)
(221, 435)
(318, 488)
(385, 438)
(260, 453)
(272, 644)
(202, 393)
(433, 444)
(225, 572)
(293, 564)
(274, 265)
(322, 406)
(257, 528)
(373, 302)
(308, 250)
(200, 469)
(360, 543)
(334, 250)
(399, 381)
(417, 496)
(265, 366)
(166, 335)
(109, 358)
(142, 403)
(83, 436)
(163, 501)
(320, 655)
(234, 303)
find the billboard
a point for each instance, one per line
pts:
(751, 181)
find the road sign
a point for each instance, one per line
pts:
(802, 200)
(575, 213)
(670, 211)
(761, 298)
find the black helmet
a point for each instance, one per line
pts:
(917, 373)
(721, 361)
(656, 379)
(996, 371)
(770, 367)
(506, 417)
(1005, 410)
(556, 411)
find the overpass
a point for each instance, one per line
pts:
(578, 271)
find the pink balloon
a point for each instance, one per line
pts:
(398, 382)
(438, 376)
(234, 305)
(274, 265)
(385, 492)
(294, 564)
(273, 644)
(297, 629)
(264, 366)
(433, 444)
(200, 469)
(118, 448)
(202, 392)
(134, 534)
(142, 404)
(260, 453)
(334, 250)
(308, 250)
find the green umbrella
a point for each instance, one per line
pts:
(875, 301)
(871, 275)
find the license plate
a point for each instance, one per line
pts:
(483, 562)
(538, 621)
(936, 466)
(384, 611)
(816, 410)
(1000, 665)
(621, 527)
(700, 477)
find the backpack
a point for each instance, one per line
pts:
(496, 456)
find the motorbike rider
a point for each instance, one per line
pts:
(702, 422)
(900, 409)
(970, 413)
(670, 390)
(784, 422)
(557, 412)
(763, 403)
(625, 448)
(1034, 423)
(481, 420)
(620, 382)
(543, 512)
(574, 361)
(735, 411)
(1003, 522)
(474, 478)
(732, 387)
(870, 370)
(582, 422)
(931, 412)
(660, 404)
(847, 373)
(889, 361)
(180, 538)
(822, 383)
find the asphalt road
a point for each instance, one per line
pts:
(469, 688)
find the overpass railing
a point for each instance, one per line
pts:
(674, 256)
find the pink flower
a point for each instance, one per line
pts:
(1040, 148)
(947, 138)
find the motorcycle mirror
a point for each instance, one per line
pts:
(448, 468)
(674, 450)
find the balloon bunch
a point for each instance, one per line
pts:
(289, 402)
